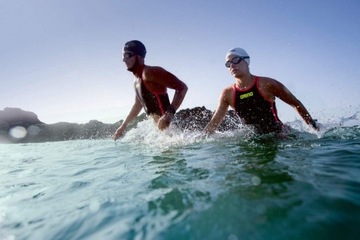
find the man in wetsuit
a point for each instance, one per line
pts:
(253, 98)
(151, 84)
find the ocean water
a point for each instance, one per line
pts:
(180, 185)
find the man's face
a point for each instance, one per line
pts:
(129, 58)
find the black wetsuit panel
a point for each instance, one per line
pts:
(255, 110)
(153, 103)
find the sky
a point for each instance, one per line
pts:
(62, 58)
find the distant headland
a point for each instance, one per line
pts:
(20, 126)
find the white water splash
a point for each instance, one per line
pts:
(148, 136)
(146, 133)
(344, 120)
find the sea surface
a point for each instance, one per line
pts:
(181, 185)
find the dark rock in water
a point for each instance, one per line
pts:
(94, 129)
(59, 132)
(18, 126)
(197, 118)
(10, 117)
(194, 119)
(15, 121)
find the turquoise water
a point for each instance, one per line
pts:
(178, 185)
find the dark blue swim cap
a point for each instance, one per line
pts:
(135, 47)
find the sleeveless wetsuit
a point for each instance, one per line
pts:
(255, 110)
(153, 103)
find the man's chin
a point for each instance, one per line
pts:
(130, 69)
(133, 67)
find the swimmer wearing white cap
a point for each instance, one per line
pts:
(253, 98)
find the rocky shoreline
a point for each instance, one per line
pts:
(19, 126)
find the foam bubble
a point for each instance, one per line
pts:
(255, 180)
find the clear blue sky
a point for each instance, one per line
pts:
(62, 58)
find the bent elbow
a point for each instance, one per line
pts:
(183, 89)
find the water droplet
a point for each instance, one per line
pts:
(255, 180)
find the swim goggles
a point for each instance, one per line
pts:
(128, 55)
(235, 60)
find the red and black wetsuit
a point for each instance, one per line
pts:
(254, 109)
(153, 102)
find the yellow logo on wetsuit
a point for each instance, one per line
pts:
(246, 95)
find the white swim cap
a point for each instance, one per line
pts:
(239, 52)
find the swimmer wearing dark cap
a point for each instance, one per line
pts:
(151, 84)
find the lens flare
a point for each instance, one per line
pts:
(33, 130)
(18, 132)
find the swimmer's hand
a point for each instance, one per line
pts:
(118, 133)
(165, 120)
(314, 124)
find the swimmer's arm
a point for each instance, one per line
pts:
(165, 79)
(134, 112)
(285, 95)
(219, 113)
